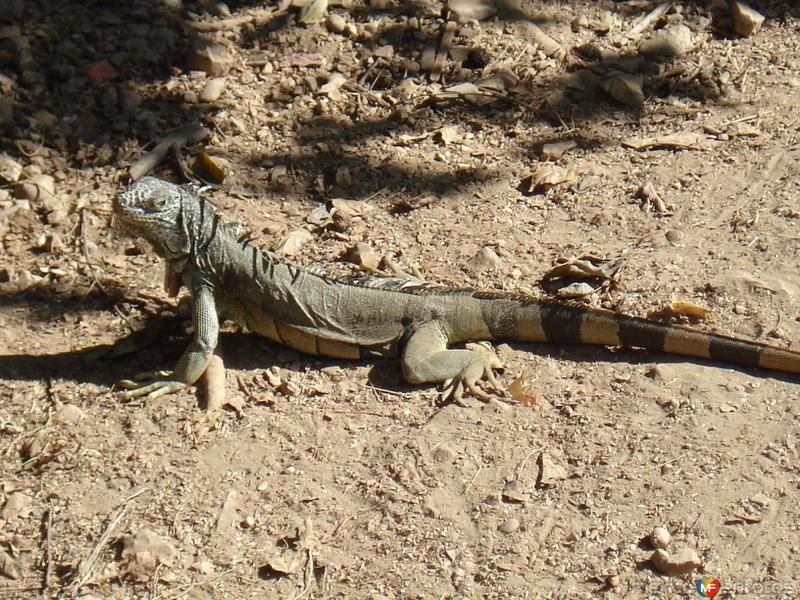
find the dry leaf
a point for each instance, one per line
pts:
(10, 567)
(207, 170)
(548, 176)
(683, 308)
(143, 551)
(293, 242)
(352, 208)
(229, 513)
(313, 12)
(335, 81)
(549, 471)
(521, 390)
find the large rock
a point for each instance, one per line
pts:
(209, 57)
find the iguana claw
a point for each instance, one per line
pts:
(481, 367)
(150, 385)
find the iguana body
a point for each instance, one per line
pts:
(384, 317)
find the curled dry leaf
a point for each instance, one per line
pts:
(313, 12)
(143, 551)
(549, 471)
(682, 308)
(351, 208)
(294, 241)
(9, 566)
(521, 390)
(548, 176)
(207, 170)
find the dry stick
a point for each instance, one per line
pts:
(87, 566)
(262, 17)
(85, 248)
(47, 552)
(647, 20)
(309, 577)
(191, 133)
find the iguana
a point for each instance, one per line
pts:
(373, 317)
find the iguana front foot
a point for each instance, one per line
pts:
(151, 385)
(481, 367)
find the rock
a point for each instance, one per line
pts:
(69, 414)
(212, 90)
(336, 23)
(289, 388)
(29, 190)
(671, 41)
(746, 19)
(56, 217)
(626, 88)
(472, 10)
(485, 259)
(10, 169)
(659, 537)
(209, 57)
(680, 562)
(509, 525)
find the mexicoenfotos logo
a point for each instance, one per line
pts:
(707, 587)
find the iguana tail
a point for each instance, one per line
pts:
(550, 321)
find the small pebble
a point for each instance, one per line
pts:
(509, 525)
(659, 537)
(336, 23)
(212, 89)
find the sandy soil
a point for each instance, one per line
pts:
(323, 479)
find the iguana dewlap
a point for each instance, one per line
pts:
(374, 317)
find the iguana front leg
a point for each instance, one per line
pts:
(195, 358)
(426, 359)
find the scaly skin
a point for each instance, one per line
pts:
(385, 317)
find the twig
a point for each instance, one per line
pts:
(309, 576)
(85, 248)
(183, 166)
(525, 460)
(87, 566)
(191, 133)
(336, 529)
(48, 527)
(188, 587)
(262, 17)
(472, 481)
(647, 20)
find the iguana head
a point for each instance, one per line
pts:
(153, 209)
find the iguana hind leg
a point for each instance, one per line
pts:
(427, 359)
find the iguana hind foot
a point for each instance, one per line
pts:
(150, 385)
(480, 368)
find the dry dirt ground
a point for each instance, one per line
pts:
(323, 479)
